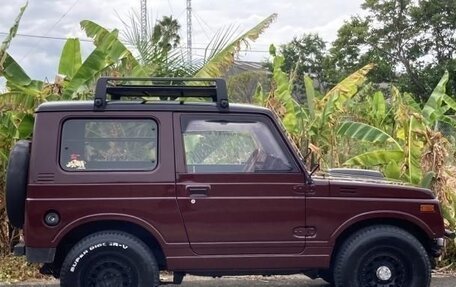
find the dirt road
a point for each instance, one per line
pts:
(280, 281)
(247, 281)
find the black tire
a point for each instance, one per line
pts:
(327, 275)
(16, 182)
(382, 251)
(110, 258)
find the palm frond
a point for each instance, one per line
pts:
(222, 54)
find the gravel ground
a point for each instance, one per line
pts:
(249, 281)
(280, 281)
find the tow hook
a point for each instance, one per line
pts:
(450, 234)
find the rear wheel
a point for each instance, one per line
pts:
(382, 256)
(110, 258)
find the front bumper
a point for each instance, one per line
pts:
(439, 243)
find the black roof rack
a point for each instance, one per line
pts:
(170, 88)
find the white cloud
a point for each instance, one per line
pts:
(39, 57)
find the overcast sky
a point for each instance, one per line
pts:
(60, 18)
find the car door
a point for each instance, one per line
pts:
(239, 188)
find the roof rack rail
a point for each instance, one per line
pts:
(173, 88)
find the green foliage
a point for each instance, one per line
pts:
(411, 44)
(13, 72)
(70, 59)
(365, 132)
(426, 181)
(392, 170)
(109, 51)
(376, 158)
(346, 52)
(242, 86)
(378, 108)
(166, 33)
(12, 32)
(283, 94)
(8, 66)
(303, 56)
(310, 95)
(217, 64)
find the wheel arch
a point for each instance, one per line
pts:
(408, 223)
(66, 240)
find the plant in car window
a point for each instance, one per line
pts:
(218, 147)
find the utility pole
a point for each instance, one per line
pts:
(189, 30)
(143, 20)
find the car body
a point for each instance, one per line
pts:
(222, 191)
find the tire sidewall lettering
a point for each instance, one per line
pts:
(95, 247)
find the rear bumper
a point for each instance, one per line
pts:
(35, 255)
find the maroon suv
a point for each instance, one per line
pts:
(112, 191)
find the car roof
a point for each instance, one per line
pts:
(84, 106)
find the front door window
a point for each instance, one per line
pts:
(213, 146)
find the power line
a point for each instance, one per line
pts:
(46, 37)
(202, 28)
(197, 16)
(91, 41)
(181, 13)
(50, 29)
(170, 7)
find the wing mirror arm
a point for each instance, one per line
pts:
(314, 169)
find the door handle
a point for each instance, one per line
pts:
(198, 190)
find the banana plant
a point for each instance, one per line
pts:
(438, 105)
(399, 157)
(9, 67)
(326, 111)
(312, 124)
(401, 152)
(109, 52)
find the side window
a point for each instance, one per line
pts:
(220, 146)
(105, 145)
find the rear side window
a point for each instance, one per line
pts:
(108, 145)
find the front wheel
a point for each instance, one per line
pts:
(382, 256)
(110, 258)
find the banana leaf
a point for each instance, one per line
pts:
(70, 59)
(12, 33)
(349, 86)
(432, 110)
(376, 158)
(310, 94)
(365, 132)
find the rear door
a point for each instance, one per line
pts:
(239, 188)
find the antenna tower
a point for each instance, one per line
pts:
(189, 30)
(143, 19)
